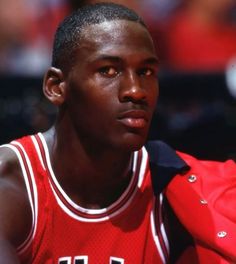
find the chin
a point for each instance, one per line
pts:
(133, 142)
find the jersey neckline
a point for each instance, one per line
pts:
(84, 214)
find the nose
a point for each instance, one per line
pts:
(131, 88)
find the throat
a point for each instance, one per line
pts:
(92, 196)
(90, 181)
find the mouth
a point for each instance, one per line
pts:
(134, 119)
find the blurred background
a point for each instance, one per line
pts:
(195, 40)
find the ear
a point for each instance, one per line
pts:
(54, 86)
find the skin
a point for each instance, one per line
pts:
(105, 102)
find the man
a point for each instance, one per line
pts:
(78, 193)
(81, 192)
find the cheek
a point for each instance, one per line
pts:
(104, 93)
(93, 101)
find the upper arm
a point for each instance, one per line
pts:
(8, 253)
(15, 211)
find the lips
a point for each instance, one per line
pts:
(134, 118)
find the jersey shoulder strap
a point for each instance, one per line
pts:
(164, 164)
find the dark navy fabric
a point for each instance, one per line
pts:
(164, 164)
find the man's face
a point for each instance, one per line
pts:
(112, 86)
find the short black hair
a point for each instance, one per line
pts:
(69, 30)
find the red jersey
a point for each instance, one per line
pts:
(129, 231)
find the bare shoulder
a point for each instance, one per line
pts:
(15, 211)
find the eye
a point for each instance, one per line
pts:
(109, 71)
(146, 72)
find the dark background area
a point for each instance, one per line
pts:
(195, 113)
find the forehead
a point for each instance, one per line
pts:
(117, 36)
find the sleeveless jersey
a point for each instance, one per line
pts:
(130, 231)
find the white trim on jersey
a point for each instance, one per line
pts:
(31, 196)
(162, 226)
(143, 166)
(162, 229)
(38, 151)
(95, 211)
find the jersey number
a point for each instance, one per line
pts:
(84, 260)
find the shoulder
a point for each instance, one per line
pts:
(14, 202)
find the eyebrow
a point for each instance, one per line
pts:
(151, 60)
(108, 58)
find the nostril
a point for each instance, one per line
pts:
(134, 94)
(131, 88)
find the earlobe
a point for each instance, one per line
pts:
(54, 86)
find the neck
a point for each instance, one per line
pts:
(93, 178)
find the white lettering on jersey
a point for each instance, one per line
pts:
(84, 260)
